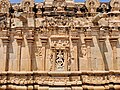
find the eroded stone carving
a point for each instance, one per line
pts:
(92, 5)
(66, 44)
(39, 51)
(27, 5)
(59, 4)
(60, 43)
(115, 4)
(60, 60)
(4, 6)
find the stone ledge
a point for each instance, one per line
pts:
(60, 78)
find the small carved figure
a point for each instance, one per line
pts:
(27, 6)
(92, 5)
(60, 60)
(115, 4)
(5, 4)
(51, 60)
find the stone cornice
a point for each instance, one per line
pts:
(42, 77)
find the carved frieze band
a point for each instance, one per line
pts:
(66, 78)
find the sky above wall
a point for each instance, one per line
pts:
(17, 1)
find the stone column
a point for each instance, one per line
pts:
(30, 46)
(38, 58)
(54, 58)
(26, 54)
(88, 44)
(47, 58)
(44, 54)
(65, 60)
(104, 61)
(75, 56)
(19, 41)
(5, 62)
(83, 57)
(113, 42)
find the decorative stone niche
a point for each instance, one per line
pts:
(4, 6)
(27, 5)
(115, 4)
(92, 5)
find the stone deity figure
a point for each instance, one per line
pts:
(60, 61)
(115, 4)
(4, 7)
(27, 6)
(92, 6)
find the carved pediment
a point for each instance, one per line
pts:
(4, 6)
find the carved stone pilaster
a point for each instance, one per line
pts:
(113, 42)
(102, 50)
(5, 61)
(88, 44)
(30, 46)
(19, 42)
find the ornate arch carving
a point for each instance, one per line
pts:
(115, 4)
(27, 5)
(4, 6)
(92, 5)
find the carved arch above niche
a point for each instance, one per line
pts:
(27, 5)
(4, 6)
(115, 4)
(92, 5)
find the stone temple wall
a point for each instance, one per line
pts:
(60, 45)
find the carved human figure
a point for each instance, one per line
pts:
(4, 6)
(115, 4)
(60, 60)
(51, 62)
(59, 4)
(27, 6)
(84, 51)
(92, 5)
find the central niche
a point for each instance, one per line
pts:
(59, 61)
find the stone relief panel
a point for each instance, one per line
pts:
(4, 6)
(27, 5)
(59, 44)
(39, 51)
(59, 4)
(3, 79)
(115, 4)
(59, 62)
(92, 5)
(39, 6)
